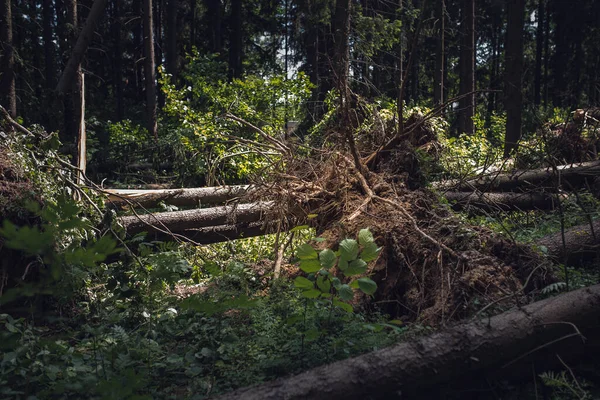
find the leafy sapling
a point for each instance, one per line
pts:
(351, 260)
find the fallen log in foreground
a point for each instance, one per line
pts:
(582, 243)
(180, 221)
(178, 197)
(572, 175)
(216, 234)
(503, 345)
(507, 201)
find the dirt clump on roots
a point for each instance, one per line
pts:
(434, 266)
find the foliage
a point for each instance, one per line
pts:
(565, 386)
(467, 155)
(195, 118)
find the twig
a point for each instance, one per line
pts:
(14, 123)
(280, 146)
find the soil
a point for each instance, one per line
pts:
(435, 267)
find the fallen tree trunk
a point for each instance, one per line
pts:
(177, 197)
(502, 345)
(508, 201)
(573, 175)
(582, 243)
(216, 234)
(180, 221)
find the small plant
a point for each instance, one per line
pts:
(351, 260)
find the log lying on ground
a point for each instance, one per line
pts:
(177, 197)
(508, 201)
(582, 243)
(216, 234)
(503, 345)
(180, 221)
(572, 175)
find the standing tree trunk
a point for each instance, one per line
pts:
(8, 95)
(83, 41)
(438, 75)
(539, 45)
(467, 69)
(150, 70)
(192, 25)
(172, 56)
(118, 60)
(513, 94)
(72, 84)
(214, 13)
(341, 56)
(235, 40)
(49, 48)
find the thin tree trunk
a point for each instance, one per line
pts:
(118, 59)
(438, 76)
(214, 12)
(504, 346)
(8, 94)
(546, 56)
(81, 159)
(235, 40)
(172, 55)
(150, 71)
(539, 47)
(467, 69)
(72, 100)
(49, 48)
(513, 94)
(192, 42)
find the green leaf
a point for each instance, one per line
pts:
(349, 249)
(344, 306)
(343, 264)
(311, 293)
(396, 322)
(356, 267)
(365, 237)
(310, 266)
(327, 258)
(367, 285)
(346, 292)
(311, 335)
(370, 252)
(353, 284)
(306, 252)
(336, 283)
(302, 283)
(323, 284)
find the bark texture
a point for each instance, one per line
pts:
(177, 221)
(150, 70)
(466, 353)
(177, 197)
(217, 234)
(467, 69)
(513, 92)
(83, 41)
(502, 201)
(572, 175)
(7, 59)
